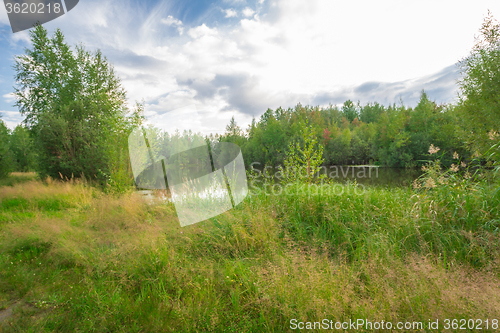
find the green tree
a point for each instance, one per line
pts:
(304, 161)
(232, 129)
(6, 156)
(370, 112)
(480, 87)
(75, 106)
(234, 134)
(339, 149)
(22, 147)
(349, 110)
(392, 141)
(420, 124)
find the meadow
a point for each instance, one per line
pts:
(75, 258)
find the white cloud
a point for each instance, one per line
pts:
(308, 46)
(171, 21)
(201, 31)
(11, 118)
(21, 36)
(230, 12)
(247, 12)
(9, 98)
(293, 53)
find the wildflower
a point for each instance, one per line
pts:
(492, 134)
(433, 150)
(454, 168)
(455, 156)
(424, 168)
(430, 183)
(462, 164)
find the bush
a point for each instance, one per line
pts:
(6, 156)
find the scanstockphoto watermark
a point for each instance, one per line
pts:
(25, 14)
(361, 324)
(332, 172)
(272, 181)
(305, 189)
(455, 324)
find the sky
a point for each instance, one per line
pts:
(196, 64)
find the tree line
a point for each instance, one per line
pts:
(393, 136)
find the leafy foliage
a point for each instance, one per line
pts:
(395, 136)
(304, 162)
(23, 149)
(75, 106)
(6, 156)
(480, 87)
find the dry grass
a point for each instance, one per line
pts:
(74, 191)
(313, 287)
(108, 263)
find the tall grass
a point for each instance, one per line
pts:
(73, 258)
(17, 177)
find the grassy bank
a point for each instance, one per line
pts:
(76, 259)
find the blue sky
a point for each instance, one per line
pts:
(237, 57)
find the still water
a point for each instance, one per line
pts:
(366, 175)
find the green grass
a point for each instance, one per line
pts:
(74, 259)
(18, 178)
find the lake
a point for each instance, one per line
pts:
(366, 175)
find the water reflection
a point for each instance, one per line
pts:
(365, 175)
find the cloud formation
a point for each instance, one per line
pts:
(238, 57)
(11, 118)
(173, 22)
(230, 12)
(9, 98)
(248, 12)
(441, 87)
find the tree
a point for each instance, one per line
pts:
(349, 110)
(370, 112)
(6, 156)
(304, 162)
(234, 134)
(75, 106)
(232, 129)
(22, 147)
(480, 87)
(393, 139)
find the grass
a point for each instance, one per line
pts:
(75, 259)
(17, 178)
